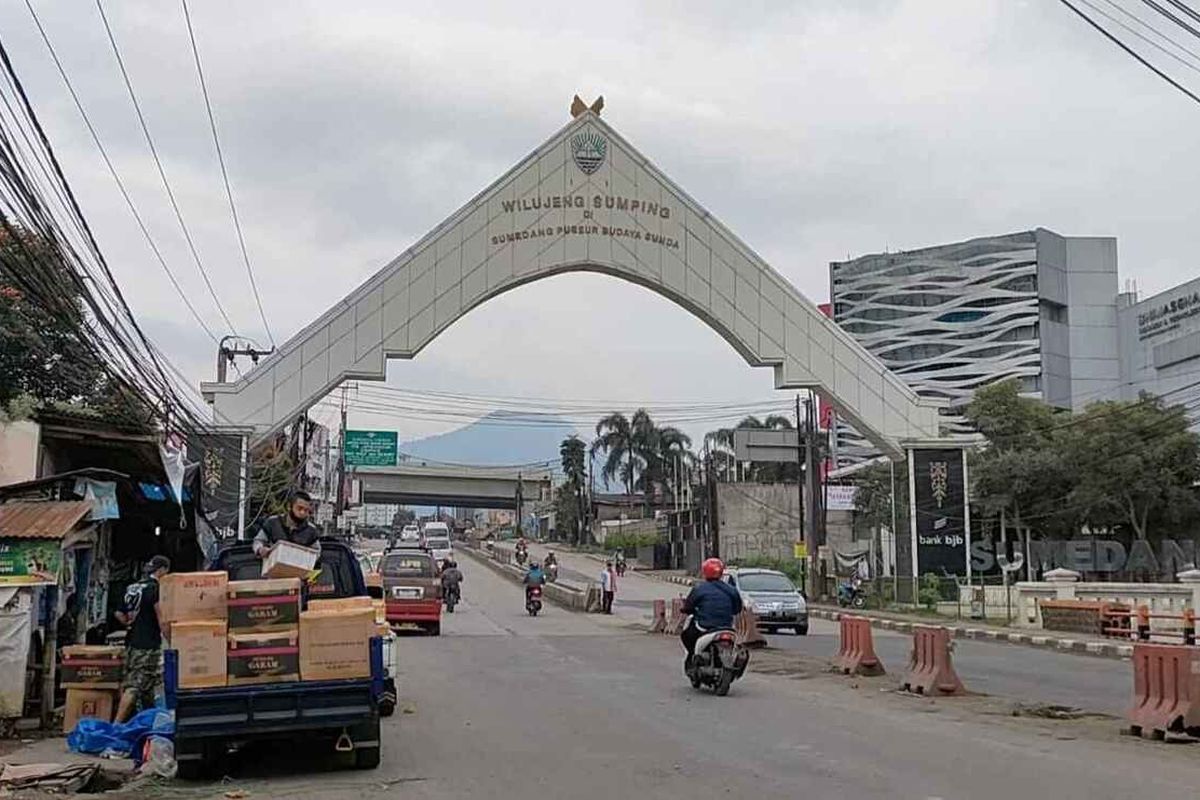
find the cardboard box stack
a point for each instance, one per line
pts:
(246, 632)
(264, 619)
(92, 677)
(194, 604)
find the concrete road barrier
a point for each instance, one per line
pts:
(659, 623)
(856, 647)
(930, 668)
(745, 625)
(676, 619)
(1166, 690)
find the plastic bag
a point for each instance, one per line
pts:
(94, 736)
(158, 757)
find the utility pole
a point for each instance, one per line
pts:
(517, 522)
(801, 476)
(240, 347)
(341, 485)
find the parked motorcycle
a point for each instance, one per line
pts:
(718, 662)
(451, 598)
(851, 594)
(533, 600)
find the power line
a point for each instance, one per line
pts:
(212, 124)
(1167, 13)
(1182, 6)
(187, 235)
(116, 176)
(1111, 37)
(1146, 39)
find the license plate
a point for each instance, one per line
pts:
(406, 592)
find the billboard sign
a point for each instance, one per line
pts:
(30, 562)
(941, 518)
(371, 448)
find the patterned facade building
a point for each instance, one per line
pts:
(949, 319)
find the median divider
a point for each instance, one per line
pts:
(930, 669)
(559, 593)
(1166, 690)
(856, 647)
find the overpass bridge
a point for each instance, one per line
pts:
(457, 486)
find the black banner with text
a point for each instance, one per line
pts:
(940, 503)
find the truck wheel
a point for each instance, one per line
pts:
(366, 757)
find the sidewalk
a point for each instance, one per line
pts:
(1050, 640)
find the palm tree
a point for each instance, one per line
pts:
(573, 453)
(615, 438)
(721, 441)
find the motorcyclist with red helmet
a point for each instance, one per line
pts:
(712, 605)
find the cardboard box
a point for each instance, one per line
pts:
(342, 604)
(201, 645)
(380, 611)
(186, 596)
(335, 644)
(289, 560)
(92, 666)
(263, 605)
(92, 703)
(271, 657)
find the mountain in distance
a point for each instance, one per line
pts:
(499, 438)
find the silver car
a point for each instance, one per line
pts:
(772, 597)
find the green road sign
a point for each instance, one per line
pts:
(371, 448)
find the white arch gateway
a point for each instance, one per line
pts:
(586, 200)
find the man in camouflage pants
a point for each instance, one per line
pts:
(143, 644)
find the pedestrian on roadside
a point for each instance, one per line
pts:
(608, 588)
(141, 613)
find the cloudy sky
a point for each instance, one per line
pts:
(815, 130)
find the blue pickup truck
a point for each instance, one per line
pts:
(212, 722)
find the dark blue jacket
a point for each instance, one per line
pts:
(713, 604)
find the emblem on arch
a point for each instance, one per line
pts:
(588, 149)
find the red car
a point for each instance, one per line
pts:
(412, 590)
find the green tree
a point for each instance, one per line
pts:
(566, 510)
(43, 358)
(615, 438)
(873, 499)
(1138, 464)
(1023, 470)
(573, 452)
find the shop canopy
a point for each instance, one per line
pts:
(41, 519)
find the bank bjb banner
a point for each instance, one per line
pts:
(940, 512)
(220, 458)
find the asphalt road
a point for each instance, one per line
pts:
(1022, 674)
(566, 705)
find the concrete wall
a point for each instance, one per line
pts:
(19, 443)
(757, 519)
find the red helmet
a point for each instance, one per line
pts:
(712, 569)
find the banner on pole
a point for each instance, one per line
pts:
(939, 509)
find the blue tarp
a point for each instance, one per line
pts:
(95, 737)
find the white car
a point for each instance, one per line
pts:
(439, 547)
(410, 533)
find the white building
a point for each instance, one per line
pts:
(1160, 345)
(949, 319)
